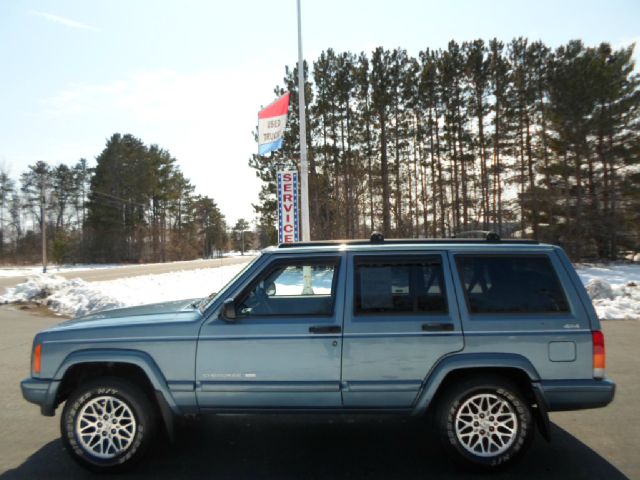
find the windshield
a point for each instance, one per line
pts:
(205, 302)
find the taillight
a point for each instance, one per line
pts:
(599, 357)
(37, 359)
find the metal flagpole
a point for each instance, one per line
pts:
(304, 175)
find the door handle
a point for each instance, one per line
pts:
(437, 327)
(325, 329)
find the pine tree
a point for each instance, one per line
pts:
(499, 78)
(477, 70)
(381, 103)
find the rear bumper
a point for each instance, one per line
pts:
(41, 392)
(577, 394)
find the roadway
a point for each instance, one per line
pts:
(100, 274)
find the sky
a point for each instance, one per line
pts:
(190, 76)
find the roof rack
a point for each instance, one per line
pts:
(378, 239)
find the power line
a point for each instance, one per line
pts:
(123, 200)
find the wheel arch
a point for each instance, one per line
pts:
(512, 366)
(135, 366)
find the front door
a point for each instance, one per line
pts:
(284, 348)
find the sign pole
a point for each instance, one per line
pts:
(304, 175)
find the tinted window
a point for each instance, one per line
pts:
(292, 289)
(408, 285)
(511, 284)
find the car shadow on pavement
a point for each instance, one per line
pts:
(317, 447)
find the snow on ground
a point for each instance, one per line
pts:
(614, 289)
(76, 297)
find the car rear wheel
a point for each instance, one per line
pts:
(484, 422)
(107, 424)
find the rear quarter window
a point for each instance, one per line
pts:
(525, 284)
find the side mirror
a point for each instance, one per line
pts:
(229, 310)
(271, 289)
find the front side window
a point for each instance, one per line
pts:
(511, 284)
(399, 286)
(294, 288)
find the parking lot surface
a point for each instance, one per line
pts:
(587, 444)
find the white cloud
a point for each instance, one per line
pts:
(205, 119)
(67, 22)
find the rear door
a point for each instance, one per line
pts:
(523, 302)
(284, 348)
(400, 318)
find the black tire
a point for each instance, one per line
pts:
(134, 436)
(467, 438)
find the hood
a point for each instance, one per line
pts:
(177, 310)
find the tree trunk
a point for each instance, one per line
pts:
(386, 217)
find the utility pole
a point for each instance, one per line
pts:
(304, 173)
(43, 222)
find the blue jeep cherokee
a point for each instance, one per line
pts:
(485, 335)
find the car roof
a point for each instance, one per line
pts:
(408, 245)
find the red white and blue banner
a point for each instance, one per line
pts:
(271, 123)
(288, 224)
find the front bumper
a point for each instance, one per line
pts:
(577, 394)
(41, 392)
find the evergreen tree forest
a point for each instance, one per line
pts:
(134, 206)
(516, 138)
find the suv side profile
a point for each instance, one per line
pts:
(487, 336)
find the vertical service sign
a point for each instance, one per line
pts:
(288, 225)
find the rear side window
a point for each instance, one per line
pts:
(511, 284)
(399, 286)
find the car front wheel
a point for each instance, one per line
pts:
(107, 424)
(484, 422)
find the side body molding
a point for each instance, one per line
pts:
(132, 357)
(467, 361)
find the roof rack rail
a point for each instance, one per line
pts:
(478, 234)
(378, 239)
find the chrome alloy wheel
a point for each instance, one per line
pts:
(105, 427)
(486, 425)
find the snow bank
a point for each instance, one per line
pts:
(77, 297)
(614, 290)
(599, 290)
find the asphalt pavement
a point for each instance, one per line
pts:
(589, 444)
